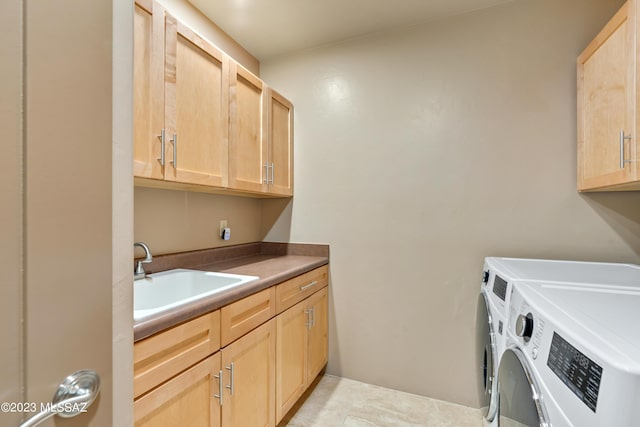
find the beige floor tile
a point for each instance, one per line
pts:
(340, 402)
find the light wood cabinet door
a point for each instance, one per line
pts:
(280, 145)
(249, 364)
(247, 131)
(291, 357)
(606, 105)
(301, 350)
(318, 331)
(196, 108)
(185, 400)
(148, 89)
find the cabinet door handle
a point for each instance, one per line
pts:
(273, 168)
(174, 162)
(265, 180)
(161, 136)
(308, 313)
(313, 317)
(302, 288)
(220, 387)
(623, 137)
(230, 386)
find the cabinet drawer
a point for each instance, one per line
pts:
(242, 316)
(161, 356)
(295, 290)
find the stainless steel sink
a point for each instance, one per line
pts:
(169, 289)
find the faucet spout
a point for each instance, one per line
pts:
(139, 272)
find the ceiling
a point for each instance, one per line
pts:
(269, 28)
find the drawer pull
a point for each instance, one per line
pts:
(302, 288)
(220, 387)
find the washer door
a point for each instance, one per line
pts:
(485, 357)
(518, 393)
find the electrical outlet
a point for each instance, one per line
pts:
(223, 225)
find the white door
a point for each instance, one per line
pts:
(56, 245)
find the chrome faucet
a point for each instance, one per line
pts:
(139, 271)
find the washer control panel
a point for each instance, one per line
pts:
(577, 371)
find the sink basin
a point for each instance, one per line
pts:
(169, 289)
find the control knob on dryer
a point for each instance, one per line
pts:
(524, 326)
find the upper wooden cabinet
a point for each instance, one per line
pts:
(181, 101)
(247, 131)
(280, 144)
(260, 136)
(148, 89)
(196, 108)
(607, 99)
(201, 121)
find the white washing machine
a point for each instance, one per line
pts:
(572, 357)
(494, 302)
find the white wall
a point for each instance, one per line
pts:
(419, 152)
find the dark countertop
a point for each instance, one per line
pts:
(272, 263)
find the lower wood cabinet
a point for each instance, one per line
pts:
(185, 400)
(318, 331)
(301, 349)
(249, 370)
(181, 379)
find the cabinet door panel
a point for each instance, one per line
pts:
(186, 400)
(197, 109)
(291, 357)
(247, 137)
(148, 94)
(318, 333)
(253, 399)
(606, 104)
(280, 144)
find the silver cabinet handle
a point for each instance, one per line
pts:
(273, 168)
(74, 395)
(302, 288)
(313, 317)
(623, 137)
(308, 313)
(220, 387)
(268, 179)
(174, 162)
(161, 136)
(230, 386)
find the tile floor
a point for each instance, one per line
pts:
(337, 402)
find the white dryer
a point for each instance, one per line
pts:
(494, 306)
(572, 357)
